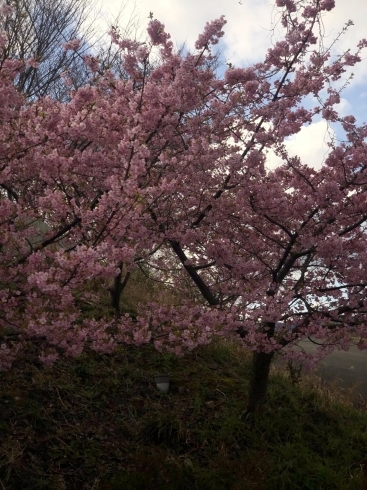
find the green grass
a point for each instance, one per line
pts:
(99, 423)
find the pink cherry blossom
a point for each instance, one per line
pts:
(5, 9)
(32, 62)
(72, 45)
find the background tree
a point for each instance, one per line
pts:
(38, 31)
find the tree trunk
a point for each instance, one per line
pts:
(116, 290)
(261, 362)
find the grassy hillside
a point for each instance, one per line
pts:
(99, 423)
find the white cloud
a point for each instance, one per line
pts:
(310, 145)
(247, 32)
(248, 21)
(355, 10)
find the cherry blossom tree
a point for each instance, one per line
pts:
(167, 170)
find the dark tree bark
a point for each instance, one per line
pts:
(261, 362)
(119, 285)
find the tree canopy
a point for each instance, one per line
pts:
(166, 169)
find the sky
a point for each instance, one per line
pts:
(248, 35)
